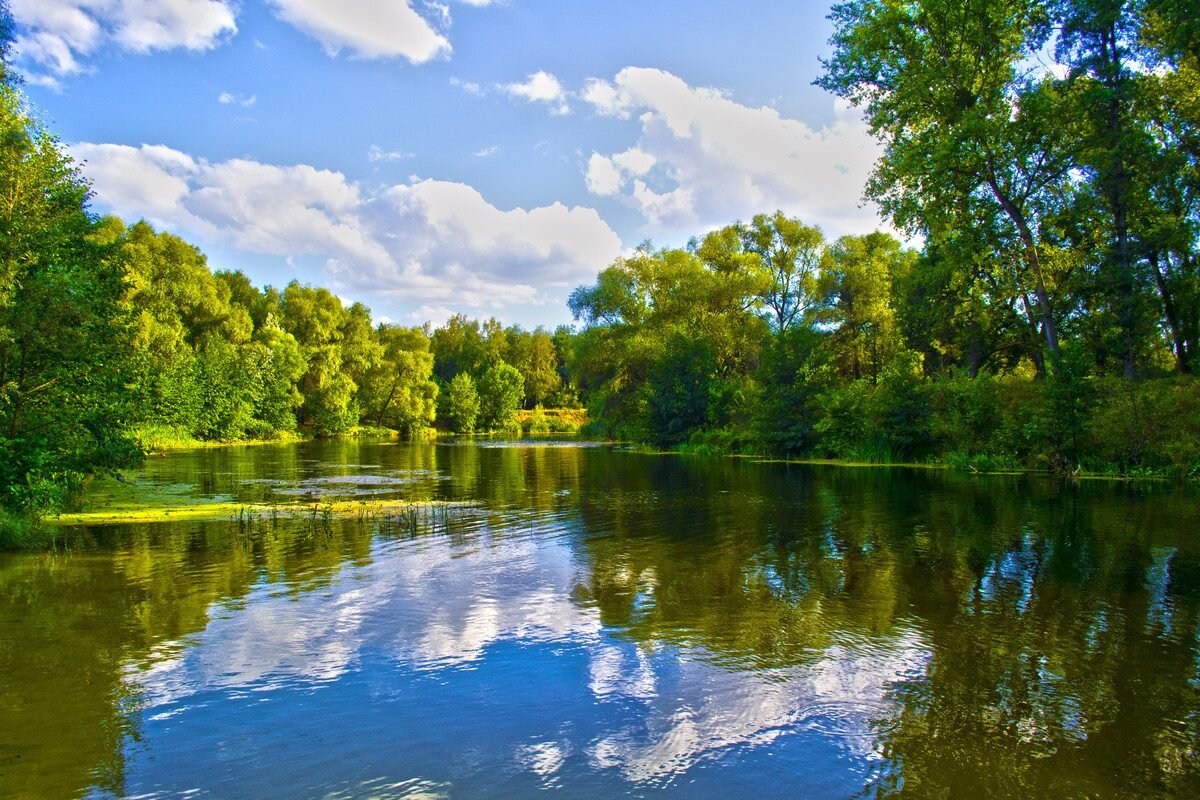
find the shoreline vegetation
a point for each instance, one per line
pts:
(1047, 318)
(537, 421)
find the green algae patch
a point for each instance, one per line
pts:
(209, 511)
(111, 502)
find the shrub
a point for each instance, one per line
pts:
(1151, 425)
(538, 422)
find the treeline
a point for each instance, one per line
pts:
(1048, 155)
(217, 358)
(765, 338)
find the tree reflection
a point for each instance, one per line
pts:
(1061, 620)
(993, 636)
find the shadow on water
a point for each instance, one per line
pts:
(610, 623)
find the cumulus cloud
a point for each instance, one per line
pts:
(55, 37)
(703, 159)
(434, 242)
(606, 175)
(540, 87)
(366, 28)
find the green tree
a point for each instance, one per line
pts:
(398, 392)
(706, 294)
(318, 322)
(856, 285)
(790, 253)
(793, 374)
(542, 378)
(971, 132)
(501, 389)
(462, 403)
(279, 363)
(458, 346)
(64, 331)
(681, 388)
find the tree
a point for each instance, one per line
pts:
(64, 329)
(318, 322)
(398, 392)
(279, 363)
(500, 391)
(458, 346)
(790, 252)
(681, 388)
(462, 404)
(707, 294)
(793, 374)
(542, 378)
(970, 132)
(179, 306)
(856, 285)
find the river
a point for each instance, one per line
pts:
(594, 622)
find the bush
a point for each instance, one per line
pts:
(900, 408)
(681, 388)
(537, 421)
(1152, 425)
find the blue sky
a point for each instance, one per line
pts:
(482, 156)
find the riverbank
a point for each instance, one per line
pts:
(165, 438)
(980, 465)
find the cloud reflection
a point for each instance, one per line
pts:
(444, 602)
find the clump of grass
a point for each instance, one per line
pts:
(21, 532)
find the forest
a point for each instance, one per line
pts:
(1038, 306)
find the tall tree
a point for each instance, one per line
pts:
(952, 90)
(1098, 42)
(64, 336)
(790, 253)
(857, 283)
(398, 391)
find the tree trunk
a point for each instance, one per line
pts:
(1169, 312)
(1031, 254)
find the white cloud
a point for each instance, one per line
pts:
(56, 36)
(441, 13)
(231, 99)
(429, 241)
(375, 154)
(604, 97)
(470, 87)
(434, 315)
(367, 28)
(703, 159)
(490, 150)
(603, 175)
(608, 175)
(540, 87)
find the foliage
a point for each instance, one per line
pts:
(64, 332)
(500, 391)
(794, 373)
(461, 404)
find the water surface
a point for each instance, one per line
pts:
(591, 622)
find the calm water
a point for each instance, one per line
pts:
(605, 623)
